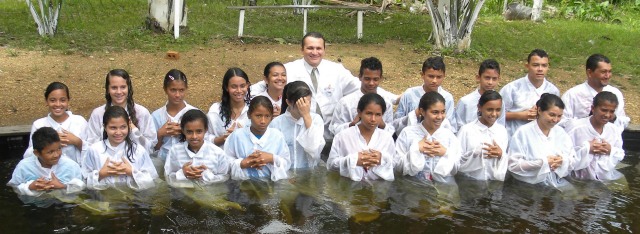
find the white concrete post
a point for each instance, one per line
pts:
(304, 26)
(177, 13)
(241, 23)
(360, 13)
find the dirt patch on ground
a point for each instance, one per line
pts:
(25, 74)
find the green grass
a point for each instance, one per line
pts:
(115, 25)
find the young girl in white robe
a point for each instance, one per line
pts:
(275, 78)
(119, 92)
(195, 160)
(484, 141)
(166, 119)
(303, 130)
(597, 141)
(364, 151)
(70, 127)
(257, 151)
(47, 170)
(231, 112)
(117, 160)
(428, 150)
(541, 151)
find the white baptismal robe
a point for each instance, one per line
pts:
(415, 163)
(274, 102)
(145, 134)
(528, 152)
(143, 170)
(520, 95)
(473, 163)
(29, 170)
(578, 101)
(242, 142)
(305, 144)
(216, 124)
(467, 110)
(344, 154)
(409, 103)
(209, 155)
(347, 110)
(75, 124)
(595, 166)
(160, 117)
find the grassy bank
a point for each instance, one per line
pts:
(116, 25)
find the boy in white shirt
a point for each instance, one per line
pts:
(488, 78)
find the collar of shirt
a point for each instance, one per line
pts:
(309, 68)
(191, 154)
(176, 119)
(592, 91)
(45, 171)
(263, 141)
(117, 151)
(55, 125)
(486, 129)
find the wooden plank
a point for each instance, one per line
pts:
(302, 6)
(17, 130)
(241, 23)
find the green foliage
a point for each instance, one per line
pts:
(587, 10)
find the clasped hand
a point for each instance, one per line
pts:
(555, 161)
(193, 172)
(492, 150)
(256, 160)
(369, 158)
(432, 148)
(115, 168)
(43, 184)
(597, 147)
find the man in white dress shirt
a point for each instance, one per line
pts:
(578, 99)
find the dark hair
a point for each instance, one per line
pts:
(548, 100)
(260, 101)
(594, 59)
(173, 75)
(113, 112)
(605, 96)
(225, 100)
(429, 99)
(487, 96)
(294, 91)
(190, 116)
(372, 98)
(130, 103)
(489, 64)
(267, 69)
(435, 63)
(371, 63)
(537, 52)
(55, 86)
(44, 137)
(314, 35)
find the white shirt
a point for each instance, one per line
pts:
(467, 110)
(29, 170)
(590, 166)
(305, 144)
(144, 135)
(528, 151)
(344, 154)
(415, 163)
(242, 142)
(347, 110)
(409, 103)
(578, 101)
(75, 124)
(216, 124)
(520, 95)
(210, 155)
(143, 170)
(473, 163)
(160, 117)
(274, 102)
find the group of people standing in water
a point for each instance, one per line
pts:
(312, 107)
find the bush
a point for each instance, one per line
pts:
(587, 10)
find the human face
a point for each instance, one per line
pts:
(490, 112)
(117, 130)
(49, 155)
(260, 119)
(58, 103)
(118, 90)
(176, 91)
(603, 113)
(538, 68)
(313, 50)
(371, 116)
(599, 77)
(194, 134)
(370, 80)
(277, 78)
(488, 80)
(549, 118)
(433, 116)
(432, 79)
(237, 88)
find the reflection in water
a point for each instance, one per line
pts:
(321, 201)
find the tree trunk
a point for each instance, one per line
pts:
(298, 11)
(536, 11)
(47, 20)
(453, 22)
(161, 15)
